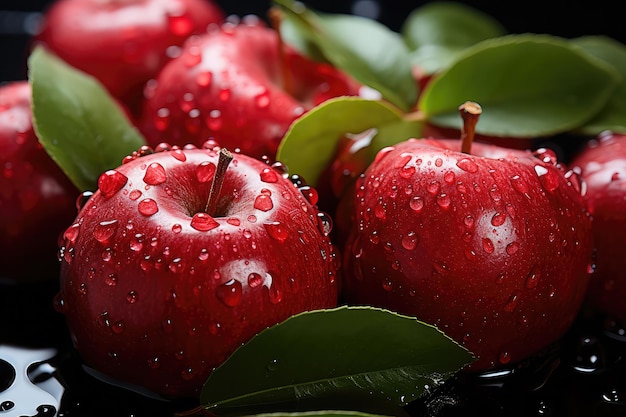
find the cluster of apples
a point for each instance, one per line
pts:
(201, 239)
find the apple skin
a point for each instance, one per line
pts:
(153, 301)
(478, 245)
(602, 164)
(123, 43)
(229, 85)
(37, 200)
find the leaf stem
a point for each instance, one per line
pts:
(470, 113)
(218, 180)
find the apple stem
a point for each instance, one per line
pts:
(218, 179)
(275, 16)
(470, 113)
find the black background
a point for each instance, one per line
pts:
(562, 18)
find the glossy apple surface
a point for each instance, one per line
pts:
(235, 86)
(123, 43)
(602, 165)
(37, 200)
(492, 247)
(157, 292)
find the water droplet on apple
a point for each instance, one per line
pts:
(512, 302)
(71, 233)
(276, 231)
(154, 363)
(532, 279)
(204, 78)
(272, 365)
(263, 202)
(110, 182)
(203, 222)
(262, 100)
(105, 230)
(404, 159)
(155, 174)
(379, 210)
(132, 297)
(498, 219)
(147, 207)
(410, 241)
(310, 194)
(177, 266)
(254, 280)
(416, 204)
(276, 295)
(433, 187)
(449, 177)
(178, 154)
(549, 178)
(111, 280)
(467, 165)
(214, 120)
(230, 293)
(520, 185)
(325, 223)
(504, 358)
(512, 248)
(268, 175)
(443, 201)
(177, 228)
(488, 245)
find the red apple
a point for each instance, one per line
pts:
(493, 246)
(165, 272)
(37, 200)
(123, 43)
(602, 164)
(240, 86)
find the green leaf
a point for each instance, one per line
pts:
(364, 48)
(438, 32)
(352, 356)
(310, 143)
(528, 86)
(80, 126)
(612, 117)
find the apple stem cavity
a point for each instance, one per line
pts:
(275, 16)
(218, 179)
(470, 113)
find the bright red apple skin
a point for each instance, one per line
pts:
(123, 43)
(229, 85)
(602, 164)
(37, 200)
(493, 248)
(156, 297)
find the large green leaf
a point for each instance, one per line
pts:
(310, 143)
(438, 32)
(369, 51)
(528, 86)
(357, 358)
(613, 117)
(78, 123)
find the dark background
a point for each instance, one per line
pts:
(562, 18)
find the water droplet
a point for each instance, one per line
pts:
(230, 293)
(325, 223)
(272, 365)
(269, 175)
(512, 302)
(263, 202)
(310, 194)
(488, 245)
(410, 241)
(136, 243)
(111, 280)
(177, 266)
(203, 222)
(132, 297)
(449, 177)
(433, 187)
(110, 182)
(532, 279)
(214, 120)
(520, 185)
(71, 233)
(177, 228)
(233, 221)
(147, 207)
(504, 358)
(276, 295)
(178, 154)
(262, 100)
(416, 203)
(134, 195)
(276, 231)
(254, 280)
(467, 164)
(498, 219)
(205, 171)
(105, 230)
(204, 78)
(512, 248)
(155, 174)
(443, 201)
(549, 178)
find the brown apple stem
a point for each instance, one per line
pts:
(218, 179)
(470, 113)
(275, 16)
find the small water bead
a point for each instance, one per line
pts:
(105, 230)
(205, 171)
(504, 358)
(416, 204)
(110, 182)
(134, 195)
(147, 207)
(498, 219)
(254, 280)
(263, 201)
(403, 160)
(410, 241)
(132, 297)
(488, 245)
(276, 231)
(82, 199)
(71, 233)
(272, 365)
(233, 221)
(230, 293)
(512, 248)
(449, 177)
(262, 100)
(512, 302)
(276, 295)
(532, 279)
(177, 266)
(214, 120)
(107, 255)
(204, 78)
(433, 187)
(549, 178)
(177, 228)
(203, 222)
(268, 175)
(467, 164)
(155, 174)
(310, 194)
(443, 201)
(325, 223)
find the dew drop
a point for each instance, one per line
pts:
(111, 280)
(134, 195)
(443, 201)
(416, 204)
(449, 177)
(254, 280)
(410, 241)
(230, 293)
(512, 302)
(262, 100)
(177, 266)
(136, 243)
(520, 185)
(110, 182)
(263, 202)
(71, 233)
(532, 279)
(549, 178)
(269, 175)
(498, 219)
(203, 222)
(214, 120)
(161, 119)
(147, 207)
(105, 230)
(467, 165)
(310, 194)
(204, 78)
(177, 228)
(504, 358)
(276, 295)
(155, 174)
(512, 248)
(276, 231)
(325, 223)
(205, 171)
(132, 297)
(488, 245)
